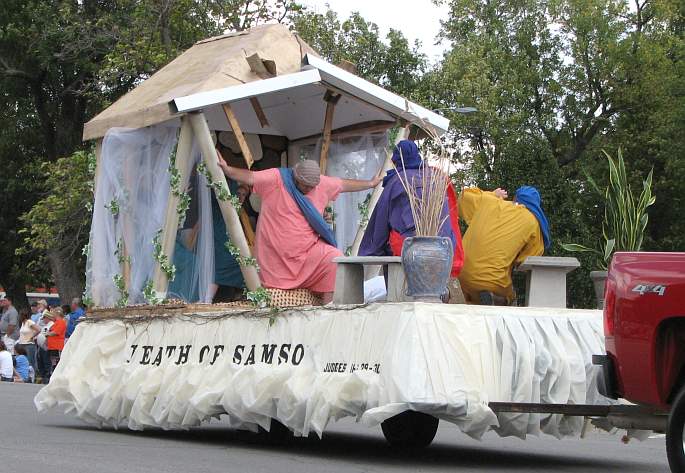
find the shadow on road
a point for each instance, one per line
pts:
(374, 450)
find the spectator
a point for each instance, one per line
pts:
(35, 312)
(77, 311)
(28, 331)
(9, 323)
(66, 310)
(6, 364)
(55, 336)
(42, 306)
(42, 358)
(22, 364)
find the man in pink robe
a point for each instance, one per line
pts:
(290, 253)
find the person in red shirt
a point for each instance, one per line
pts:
(55, 336)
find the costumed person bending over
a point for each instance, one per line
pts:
(294, 246)
(392, 220)
(501, 234)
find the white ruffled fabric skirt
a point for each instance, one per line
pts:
(307, 367)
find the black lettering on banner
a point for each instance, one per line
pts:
(299, 348)
(218, 350)
(284, 354)
(158, 359)
(238, 354)
(204, 350)
(250, 356)
(147, 349)
(268, 353)
(183, 352)
(170, 349)
(133, 352)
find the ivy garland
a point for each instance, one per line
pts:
(220, 189)
(150, 295)
(113, 207)
(175, 188)
(260, 297)
(121, 287)
(119, 253)
(364, 211)
(242, 260)
(163, 260)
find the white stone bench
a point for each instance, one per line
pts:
(349, 278)
(546, 279)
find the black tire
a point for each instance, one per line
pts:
(675, 438)
(278, 434)
(410, 429)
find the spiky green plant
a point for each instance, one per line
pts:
(625, 214)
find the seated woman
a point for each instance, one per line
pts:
(392, 220)
(225, 281)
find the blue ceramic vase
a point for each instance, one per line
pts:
(427, 263)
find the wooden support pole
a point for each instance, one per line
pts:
(259, 111)
(376, 194)
(331, 100)
(247, 155)
(238, 132)
(247, 227)
(235, 230)
(184, 164)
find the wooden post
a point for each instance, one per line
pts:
(331, 99)
(235, 230)
(259, 111)
(247, 227)
(376, 194)
(249, 161)
(238, 132)
(184, 164)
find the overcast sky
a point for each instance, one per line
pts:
(418, 19)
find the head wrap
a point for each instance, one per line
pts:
(404, 156)
(530, 198)
(307, 172)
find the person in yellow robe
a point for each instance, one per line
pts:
(500, 234)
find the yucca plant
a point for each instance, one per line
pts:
(625, 215)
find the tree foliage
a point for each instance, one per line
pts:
(556, 82)
(393, 63)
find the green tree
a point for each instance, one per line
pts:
(393, 63)
(555, 82)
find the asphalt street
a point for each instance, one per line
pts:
(58, 443)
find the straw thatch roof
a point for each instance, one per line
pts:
(210, 64)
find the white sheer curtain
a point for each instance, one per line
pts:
(132, 191)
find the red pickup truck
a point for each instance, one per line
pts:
(644, 329)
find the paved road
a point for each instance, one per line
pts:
(56, 443)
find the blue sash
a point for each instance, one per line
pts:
(313, 217)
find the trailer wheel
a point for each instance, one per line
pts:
(675, 434)
(277, 435)
(410, 429)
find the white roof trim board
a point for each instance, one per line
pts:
(316, 72)
(195, 102)
(376, 95)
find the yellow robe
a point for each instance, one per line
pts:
(501, 234)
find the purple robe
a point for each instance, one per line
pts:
(393, 212)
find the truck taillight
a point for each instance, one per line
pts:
(609, 308)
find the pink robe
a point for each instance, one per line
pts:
(290, 254)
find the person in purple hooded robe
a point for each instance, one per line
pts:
(392, 220)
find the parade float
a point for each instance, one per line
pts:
(155, 352)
